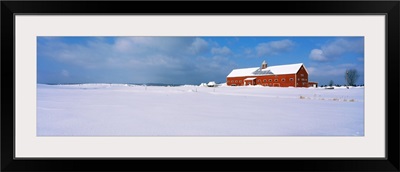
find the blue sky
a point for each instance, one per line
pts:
(191, 60)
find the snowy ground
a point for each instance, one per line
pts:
(122, 110)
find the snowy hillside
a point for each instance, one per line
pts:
(128, 110)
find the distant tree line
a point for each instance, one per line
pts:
(351, 76)
(338, 85)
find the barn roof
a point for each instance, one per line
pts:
(270, 70)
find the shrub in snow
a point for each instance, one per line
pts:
(212, 84)
(203, 84)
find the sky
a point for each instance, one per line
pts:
(191, 60)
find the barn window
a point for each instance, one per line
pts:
(270, 80)
(283, 79)
(276, 80)
(236, 81)
(301, 74)
(259, 80)
(264, 80)
(240, 81)
(298, 79)
(302, 79)
(291, 79)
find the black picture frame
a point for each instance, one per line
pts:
(9, 8)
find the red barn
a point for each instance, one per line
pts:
(291, 75)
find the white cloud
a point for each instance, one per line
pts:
(331, 70)
(335, 49)
(145, 59)
(221, 51)
(144, 44)
(147, 44)
(318, 55)
(274, 47)
(124, 51)
(123, 45)
(91, 54)
(198, 46)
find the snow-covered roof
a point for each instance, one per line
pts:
(249, 79)
(243, 72)
(270, 70)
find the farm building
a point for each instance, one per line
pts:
(291, 75)
(313, 84)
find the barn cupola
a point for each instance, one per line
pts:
(264, 65)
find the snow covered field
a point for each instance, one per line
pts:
(124, 110)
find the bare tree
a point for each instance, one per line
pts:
(351, 77)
